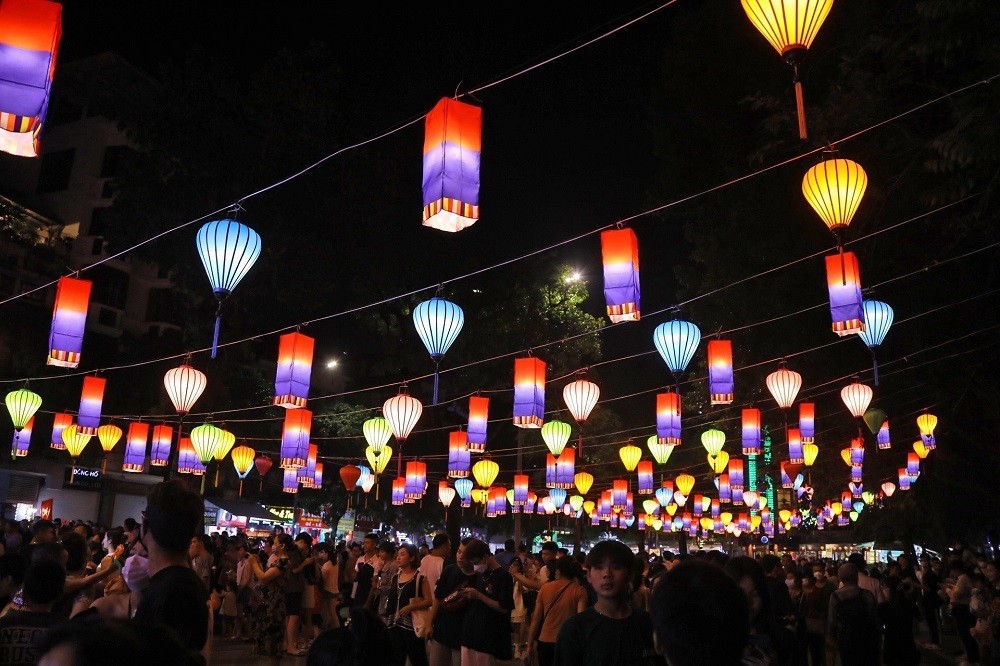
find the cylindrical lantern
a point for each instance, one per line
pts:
(377, 433)
(520, 489)
(630, 456)
(904, 478)
(555, 434)
(22, 405)
(550, 470)
(317, 481)
(294, 373)
(751, 431)
(676, 341)
(736, 474)
(857, 451)
(620, 254)
(59, 423)
(834, 189)
(645, 472)
(416, 479)
(668, 418)
(187, 459)
(784, 385)
(843, 278)
(883, 438)
(485, 472)
(135, 447)
(69, 319)
(399, 491)
(290, 482)
(529, 392)
(22, 440)
(795, 453)
(566, 469)
(713, 440)
(720, 372)
(619, 494)
(912, 464)
(91, 400)
(295, 439)
(583, 482)
(857, 397)
(660, 452)
(807, 422)
(452, 148)
(184, 385)
(581, 396)
(159, 450)
(307, 472)
(479, 415)
(458, 455)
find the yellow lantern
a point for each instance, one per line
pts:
(836, 508)
(380, 460)
(671, 509)
(480, 495)
(630, 455)
(921, 450)
(809, 453)
(226, 441)
(583, 482)
(660, 452)
(576, 501)
(713, 440)
(650, 506)
(588, 506)
(684, 483)
(109, 435)
(726, 517)
(834, 189)
(74, 440)
(657, 524)
(718, 463)
(761, 501)
(926, 422)
(846, 455)
(243, 459)
(785, 515)
(754, 522)
(707, 523)
(485, 472)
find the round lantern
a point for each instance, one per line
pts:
(350, 474)
(713, 440)
(485, 472)
(206, 439)
(402, 412)
(834, 189)
(22, 405)
(857, 397)
(243, 460)
(684, 482)
(630, 455)
(446, 494)
(660, 452)
(676, 341)
(378, 461)
(926, 423)
(784, 385)
(108, 435)
(555, 434)
(438, 323)
(581, 396)
(184, 385)
(888, 488)
(377, 433)
(583, 482)
(226, 441)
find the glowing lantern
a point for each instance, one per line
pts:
(856, 489)
(736, 477)
(458, 455)
(60, 421)
(464, 488)
(920, 449)
(402, 412)
(684, 482)
(22, 405)
(159, 451)
(857, 397)
(809, 453)
(834, 189)
(883, 438)
(529, 392)
(290, 482)
(720, 371)
(558, 497)
(550, 470)
(912, 464)
(751, 431)
(926, 423)
(650, 506)
(75, 440)
(108, 435)
(69, 315)
(576, 503)
(367, 480)
(307, 472)
(206, 438)
(30, 31)
(630, 455)
(668, 418)
(784, 385)
(843, 278)
(519, 493)
(719, 463)
(416, 479)
(660, 452)
(845, 454)
(795, 453)
(485, 472)
(868, 497)
(645, 471)
(620, 253)
(583, 481)
(398, 491)
(91, 399)
(566, 469)
(555, 434)
(479, 408)
(184, 386)
(857, 451)
(446, 494)
(713, 440)
(878, 320)
(904, 478)
(676, 341)
(378, 461)
(263, 463)
(243, 462)
(187, 459)
(438, 323)
(350, 474)
(294, 439)
(452, 150)
(888, 488)
(225, 444)
(750, 498)
(807, 422)
(856, 473)
(377, 433)
(294, 373)
(589, 506)
(22, 440)
(725, 490)
(317, 481)
(784, 515)
(619, 494)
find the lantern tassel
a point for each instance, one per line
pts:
(875, 366)
(215, 336)
(436, 366)
(241, 488)
(800, 103)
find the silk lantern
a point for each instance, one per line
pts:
(620, 253)
(926, 423)
(307, 472)
(398, 491)
(228, 249)
(583, 482)
(69, 314)
(186, 456)
(645, 477)
(668, 418)
(676, 341)
(485, 472)
(630, 456)
(834, 188)
(888, 488)
(294, 373)
(108, 435)
(795, 453)
(660, 452)
(402, 411)
(59, 423)
(566, 469)
(416, 479)
(878, 319)
(438, 323)
(684, 482)
(30, 31)
(856, 397)
(807, 422)
(263, 463)
(21, 441)
(184, 385)
(529, 392)
(921, 450)
(520, 490)
(458, 455)
(809, 453)
(22, 405)
(290, 481)
(784, 385)
(350, 474)
(883, 437)
(295, 435)
(159, 450)
(713, 440)
(377, 433)
(843, 278)
(479, 414)
(452, 148)
(720, 372)
(243, 462)
(91, 399)
(555, 434)
(378, 461)
(736, 478)
(751, 431)
(581, 397)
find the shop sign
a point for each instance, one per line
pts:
(85, 478)
(46, 509)
(281, 513)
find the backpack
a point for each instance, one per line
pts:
(857, 625)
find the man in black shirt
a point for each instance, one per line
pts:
(447, 615)
(22, 630)
(486, 628)
(175, 597)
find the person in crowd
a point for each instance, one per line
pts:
(486, 628)
(76, 571)
(12, 568)
(641, 593)
(229, 610)
(930, 598)
(310, 573)
(244, 590)
(610, 632)
(348, 561)
(386, 552)
(96, 640)
(268, 626)
(546, 572)
(21, 631)
(42, 531)
(774, 577)
(135, 573)
(364, 641)
(816, 591)
(431, 566)
(447, 613)
(329, 592)
(692, 600)
(769, 636)
(960, 599)
(409, 592)
(366, 568)
(295, 585)
(519, 614)
(201, 559)
(852, 630)
(175, 596)
(558, 600)
(897, 614)
(866, 582)
(507, 555)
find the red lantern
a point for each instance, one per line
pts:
(620, 252)
(69, 317)
(843, 276)
(720, 371)
(452, 147)
(350, 474)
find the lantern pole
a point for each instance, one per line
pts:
(520, 464)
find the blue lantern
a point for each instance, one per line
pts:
(676, 341)
(438, 323)
(878, 319)
(228, 250)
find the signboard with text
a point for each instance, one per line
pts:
(83, 478)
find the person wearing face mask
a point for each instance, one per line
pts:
(123, 606)
(486, 627)
(448, 611)
(816, 590)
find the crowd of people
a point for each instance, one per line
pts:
(161, 591)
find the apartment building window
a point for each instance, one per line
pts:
(112, 158)
(54, 171)
(98, 222)
(110, 286)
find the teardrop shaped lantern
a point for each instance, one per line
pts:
(630, 456)
(857, 397)
(379, 461)
(402, 411)
(184, 385)
(790, 26)
(438, 323)
(676, 341)
(228, 249)
(263, 463)
(22, 405)
(888, 488)
(713, 440)
(834, 188)
(583, 482)
(350, 474)
(206, 439)
(108, 435)
(660, 452)
(377, 433)
(809, 453)
(878, 320)
(446, 494)
(926, 423)
(555, 434)
(581, 396)
(784, 385)
(719, 462)
(485, 472)
(75, 440)
(684, 482)
(243, 461)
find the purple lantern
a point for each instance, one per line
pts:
(620, 253)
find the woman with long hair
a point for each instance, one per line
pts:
(408, 592)
(268, 621)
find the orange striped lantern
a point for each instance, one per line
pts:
(69, 318)
(291, 381)
(720, 371)
(452, 150)
(620, 252)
